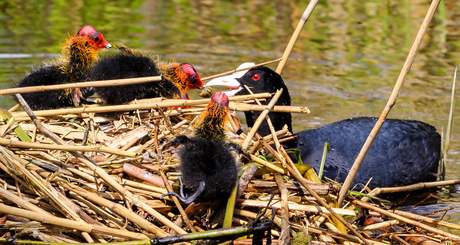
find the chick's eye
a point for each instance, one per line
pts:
(255, 77)
(96, 39)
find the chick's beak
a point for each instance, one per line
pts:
(76, 96)
(197, 80)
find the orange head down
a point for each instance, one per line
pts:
(79, 52)
(212, 120)
(184, 76)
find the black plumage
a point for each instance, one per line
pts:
(48, 75)
(261, 80)
(208, 166)
(132, 64)
(404, 152)
(79, 52)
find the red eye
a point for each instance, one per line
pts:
(255, 77)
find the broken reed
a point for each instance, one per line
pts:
(167, 103)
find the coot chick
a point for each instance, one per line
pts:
(209, 170)
(404, 152)
(79, 52)
(177, 78)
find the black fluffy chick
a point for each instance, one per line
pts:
(177, 78)
(78, 55)
(208, 166)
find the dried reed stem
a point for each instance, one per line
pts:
(391, 101)
(106, 83)
(306, 14)
(293, 206)
(406, 220)
(21, 202)
(71, 223)
(268, 165)
(109, 83)
(380, 225)
(115, 207)
(427, 219)
(285, 230)
(317, 230)
(20, 144)
(408, 188)
(163, 104)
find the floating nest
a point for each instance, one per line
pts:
(96, 175)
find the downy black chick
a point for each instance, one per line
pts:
(177, 80)
(208, 166)
(79, 52)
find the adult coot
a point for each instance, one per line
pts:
(404, 152)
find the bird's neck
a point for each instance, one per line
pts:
(174, 73)
(79, 53)
(212, 122)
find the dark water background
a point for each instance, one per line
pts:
(344, 64)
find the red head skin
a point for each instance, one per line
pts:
(220, 99)
(94, 37)
(194, 80)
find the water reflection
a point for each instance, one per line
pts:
(344, 64)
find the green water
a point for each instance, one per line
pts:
(344, 64)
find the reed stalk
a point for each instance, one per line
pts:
(445, 147)
(106, 83)
(427, 219)
(168, 103)
(285, 227)
(77, 225)
(20, 144)
(306, 14)
(268, 165)
(423, 185)
(115, 207)
(391, 101)
(405, 220)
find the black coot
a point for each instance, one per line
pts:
(404, 152)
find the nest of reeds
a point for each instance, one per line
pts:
(98, 177)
